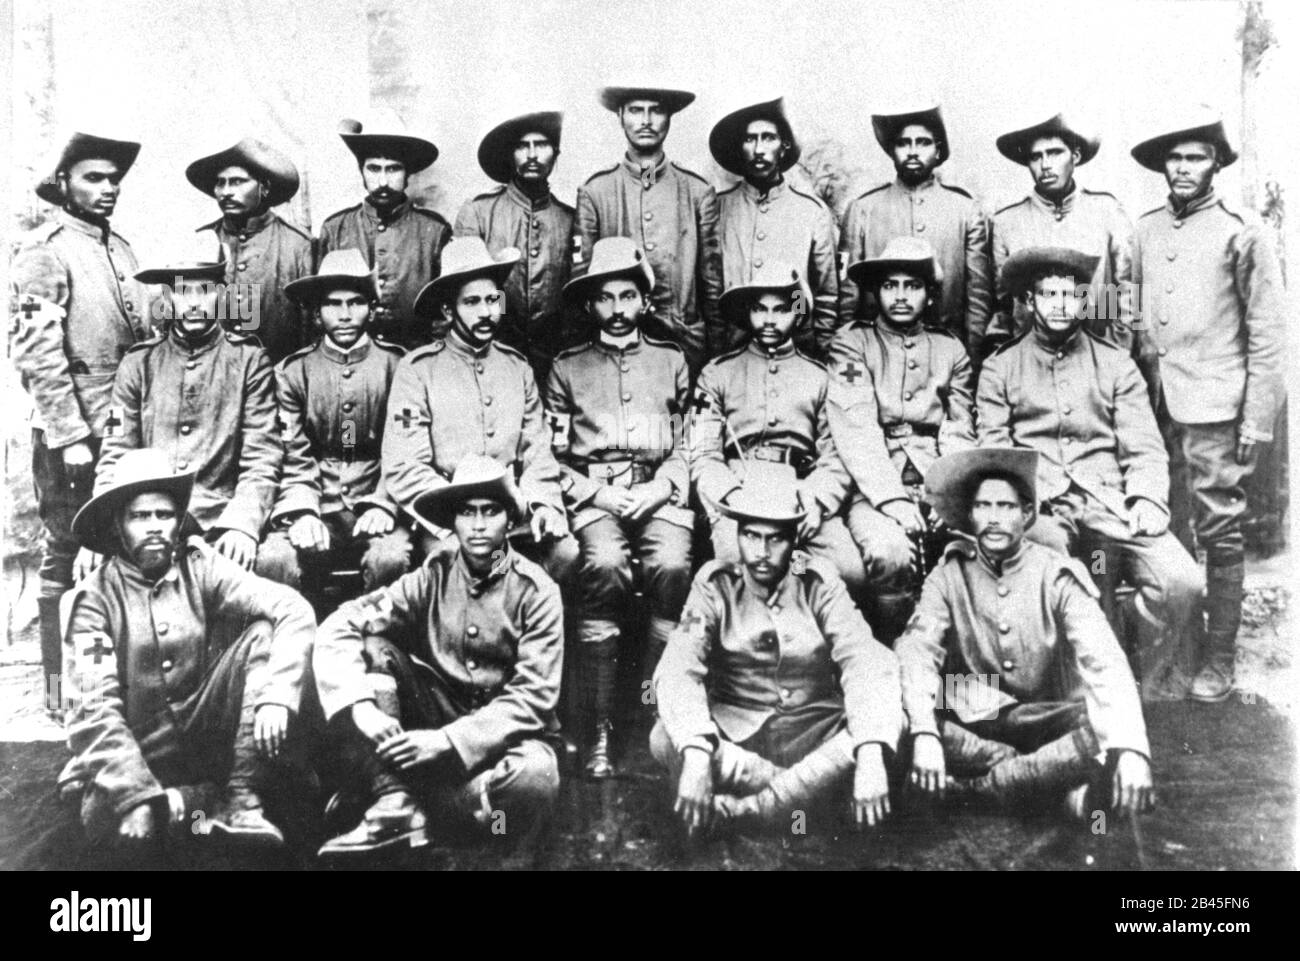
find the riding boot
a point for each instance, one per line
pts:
(597, 671)
(1225, 575)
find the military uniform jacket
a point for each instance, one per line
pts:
(268, 252)
(79, 309)
(1034, 628)
(1213, 334)
(535, 320)
(784, 224)
(751, 397)
(138, 649)
(449, 400)
(923, 396)
(1083, 406)
(1090, 221)
(951, 222)
(740, 657)
(333, 410)
(494, 645)
(209, 403)
(608, 405)
(405, 250)
(672, 214)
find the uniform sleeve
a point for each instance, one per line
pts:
(42, 287)
(674, 467)
(854, 421)
(993, 408)
(829, 480)
(921, 653)
(825, 282)
(1002, 324)
(679, 681)
(1258, 281)
(851, 250)
(979, 280)
(300, 484)
(407, 452)
(128, 398)
(578, 488)
(717, 331)
(1120, 255)
(1141, 449)
(329, 238)
(395, 612)
(467, 222)
(586, 231)
(261, 454)
(539, 482)
(528, 699)
(710, 474)
(957, 432)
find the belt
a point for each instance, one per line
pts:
(896, 431)
(619, 473)
(776, 454)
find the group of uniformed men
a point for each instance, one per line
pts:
(544, 402)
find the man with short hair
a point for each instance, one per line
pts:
(767, 218)
(186, 671)
(401, 240)
(520, 154)
(916, 203)
(1060, 213)
(1037, 692)
(1212, 345)
(670, 213)
(262, 250)
(442, 687)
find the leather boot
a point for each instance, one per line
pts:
(1054, 768)
(393, 820)
(47, 606)
(740, 772)
(1224, 591)
(597, 680)
(791, 788)
(240, 819)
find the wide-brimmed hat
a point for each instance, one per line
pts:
(951, 480)
(339, 270)
(673, 100)
(496, 149)
(140, 471)
(612, 257)
(728, 134)
(259, 158)
(477, 475)
(1200, 124)
(85, 146)
(1019, 270)
(887, 125)
(384, 135)
(901, 253)
(769, 492)
(772, 276)
(1015, 145)
(465, 259)
(204, 270)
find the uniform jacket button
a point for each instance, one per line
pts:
(1004, 627)
(649, 217)
(472, 630)
(164, 628)
(761, 235)
(627, 398)
(758, 261)
(650, 246)
(381, 228)
(487, 401)
(185, 428)
(1002, 590)
(471, 664)
(347, 371)
(624, 368)
(772, 368)
(167, 665)
(347, 406)
(1008, 665)
(920, 228)
(786, 693)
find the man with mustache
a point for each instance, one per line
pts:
(468, 394)
(441, 688)
(401, 240)
(766, 402)
(773, 696)
(1037, 703)
(1213, 348)
(1081, 402)
(918, 204)
(263, 251)
(186, 672)
(765, 217)
(333, 508)
(617, 407)
(520, 154)
(1060, 213)
(906, 378)
(670, 213)
(76, 311)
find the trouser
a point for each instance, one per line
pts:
(890, 572)
(511, 792)
(971, 749)
(831, 541)
(381, 559)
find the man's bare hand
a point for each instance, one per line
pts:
(548, 524)
(616, 500)
(1132, 790)
(647, 498)
(309, 533)
(694, 804)
(928, 771)
(86, 561)
(374, 724)
(270, 725)
(239, 547)
(870, 787)
(905, 513)
(1145, 517)
(373, 523)
(137, 824)
(813, 517)
(412, 748)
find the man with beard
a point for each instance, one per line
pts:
(520, 154)
(402, 241)
(186, 672)
(263, 252)
(1103, 474)
(78, 309)
(1213, 347)
(1060, 213)
(765, 217)
(670, 213)
(918, 204)
(1045, 692)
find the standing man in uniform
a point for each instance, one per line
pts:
(617, 407)
(402, 240)
(918, 204)
(520, 154)
(78, 310)
(670, 213)
(765, 217)
(263, 252)
(1060, 213)
(1212, 345)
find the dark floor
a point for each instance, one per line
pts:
(1224, 775)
